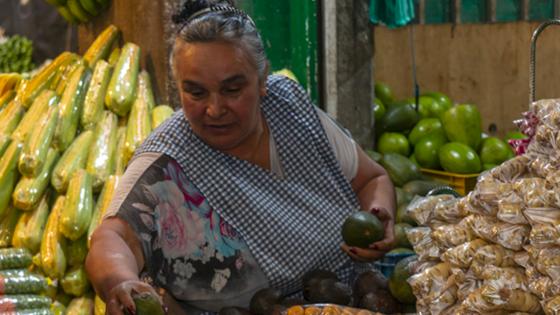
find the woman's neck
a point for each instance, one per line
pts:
(256, 149)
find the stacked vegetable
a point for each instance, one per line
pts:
(80, 11)
(65, 138)
(436, 135)
(15, 54)
(497, 250)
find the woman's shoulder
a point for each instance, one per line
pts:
(282, 86)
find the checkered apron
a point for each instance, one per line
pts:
(292, 224)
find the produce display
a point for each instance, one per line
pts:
(437, 135)
(15, 55)
(496, 250)
(79, 11)
(62, 151)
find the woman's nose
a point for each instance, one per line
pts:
(216, 107)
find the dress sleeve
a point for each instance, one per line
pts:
(342, 143)
(133, 204)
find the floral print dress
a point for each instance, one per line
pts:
(194, 254)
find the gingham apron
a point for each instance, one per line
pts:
(292, 224)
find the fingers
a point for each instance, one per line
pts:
(388, 242)
(125, 299)
(362, 254)
(120, 297)
(114, 307)
(382, 214)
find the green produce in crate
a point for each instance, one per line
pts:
(456, 157)
(441, 98)
(21, 302)
(495, 151)
(378, 111)
(8, 225)
(76, 251)
(36, 148)
(514, 135)
(393, 142)
(14, 258)
(21, 282)
(462, 124)
(139, 121)
(399, 118)
(427, 149)
(122, 87)
(95, 96)
(99, 306)
(101, 46)
(29, 190)
(401, 241)
(384, 93)
(70, 107)
(400, 169)
(81, 306)
(102, 204)
(75, 281)
(160, 114)
(29, 229)
(101, 158)
(78, 207)
(420, 187)
(121, 161)
(147, 304)
(8, 174)
(44, 78)
(398, 284)
(362, 229)
(53, 245)
(47, 99)
(74, 158)
(426, 127)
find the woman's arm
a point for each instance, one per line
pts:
(113, 263)
(376, 194)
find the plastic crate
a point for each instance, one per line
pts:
(387, 264)
(462, 183)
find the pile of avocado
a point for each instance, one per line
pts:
(370, 291)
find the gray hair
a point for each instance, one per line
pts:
(231, 26)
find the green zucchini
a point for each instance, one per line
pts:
(78, 208)
(30, 227)
(103, 202)
(80, 306)
(122, 87)
(21, 302)
(73, 159)
(8, 225)
(160, 114)
(101, 159)
(8, 174)
(139, 120)
(75, 282)
(53, 244)
(14, 258)
(22, 282)
(47, 99)
(101, 46)
(76, 251)
(95, 96)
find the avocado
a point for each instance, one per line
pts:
(401, 241)
(380, 301)
(263, 301)
(420, 187)
(234, 311)
(369, 281)
(400, 169)
(147, 304)
(329, 291)
(361, 229)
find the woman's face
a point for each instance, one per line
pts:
(220, 93)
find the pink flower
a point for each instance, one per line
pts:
(181, 231)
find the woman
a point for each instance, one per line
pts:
(246, 188)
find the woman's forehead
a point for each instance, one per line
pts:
(212, 55)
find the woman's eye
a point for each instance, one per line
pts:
(196, 94)
(232, 90)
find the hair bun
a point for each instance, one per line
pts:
(190, 7)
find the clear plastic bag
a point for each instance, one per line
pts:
(510, 277)
(540, 197)
(544, 235)
(548, 263)
(524, 185)
(510, 209)
(512, 236)
(449, 211)
(440, 304)
(543, 287)
(541, 166)
(421, 209)
(475, 302)
(451, 235)
(466, 281)
(510, 299)
(422, 242)
(484, 227)
(495, 255)
(432, 282)
(552, 306)
(511, 169)
(461, 256)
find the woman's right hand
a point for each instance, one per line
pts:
(120, 298)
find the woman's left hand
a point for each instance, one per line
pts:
(378, 249)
